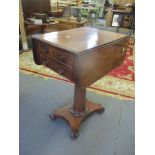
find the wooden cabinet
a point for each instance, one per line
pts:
(35, 6)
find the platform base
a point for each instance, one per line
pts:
(75, 121)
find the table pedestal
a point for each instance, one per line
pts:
(75, 114)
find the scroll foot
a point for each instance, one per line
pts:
(74, 134)
(52, 117)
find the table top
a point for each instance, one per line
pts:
(79, 40)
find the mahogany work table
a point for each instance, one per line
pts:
(42, 26)
(83, 55)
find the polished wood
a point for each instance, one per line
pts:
(55, 13)
(83, 55)
(35, 6)
(66, 24)
(81, 39)
(42, 26)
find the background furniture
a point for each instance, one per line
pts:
(42, 26)
(55, 13)
(35, 6)
(125, 9)
(99, 52)
(65, 24)
(122, 13)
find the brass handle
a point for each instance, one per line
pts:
(123, 51)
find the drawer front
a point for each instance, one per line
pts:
(61, 56)
(60, 69)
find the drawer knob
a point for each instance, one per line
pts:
(61, 71)
(45, 50)
(123, 51)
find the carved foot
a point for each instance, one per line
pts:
(74, 133)
(101, 111)
(75, 121)
(52, 117)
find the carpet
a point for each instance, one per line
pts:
(118, 83)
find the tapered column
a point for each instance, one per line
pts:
(43, 27)
(75, 114)
(79, 106)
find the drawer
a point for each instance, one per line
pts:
(60, 69)
(61, 56)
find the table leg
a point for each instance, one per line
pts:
(75, 114)
(43, 27)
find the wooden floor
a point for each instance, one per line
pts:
(111, 133)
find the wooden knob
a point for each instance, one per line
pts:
(61, 71)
